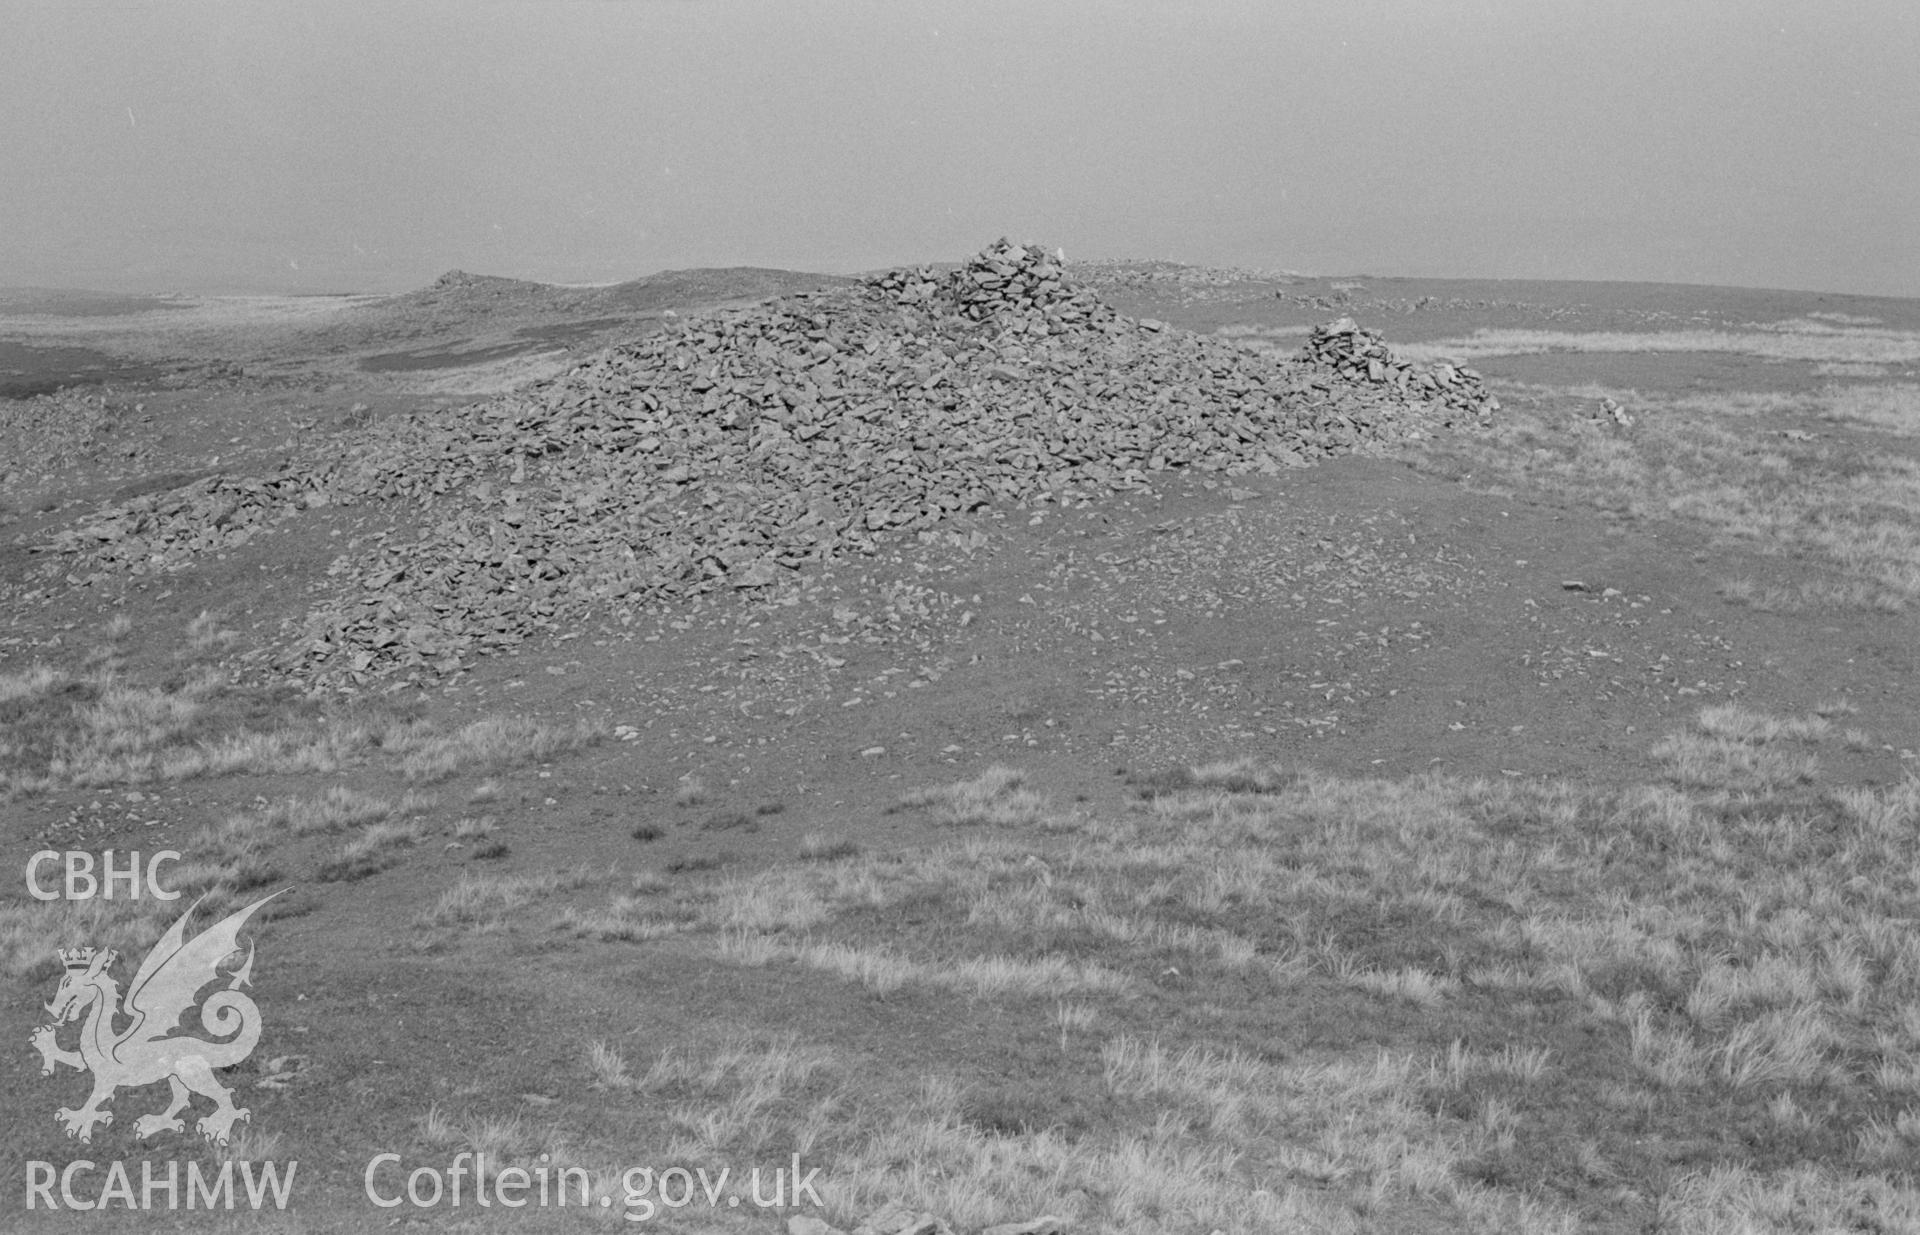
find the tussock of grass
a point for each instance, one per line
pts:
(815, 847)
(99, 727)
(470, 829)
(437, 1127)
(1734, 751)
(101, 730)
(507, 1140)
(1218, 1085)
(31, 934)
(1234, 776)
(876, 969)
(773, 1064)
(1414, 985)
(219, 881)
(281, 752)
(995, 796)
(727, 821)
(225, 859)
(30, 684)
(233, 839)
(220, 865)
(1781, 1047)
(206, 635)
(1019, 906)
(482, 903)
(630, 919)
(743, 1098)
(340, 808)
(1812, 594)
(251, 1144)
(1019, 977)
(495, 742)
(1463, 1065)
(371, 852)
(1744, 725)
(1074, 1018)
(607, 1067)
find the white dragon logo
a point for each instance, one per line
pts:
(162, 990)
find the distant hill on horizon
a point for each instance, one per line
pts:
(664, 285)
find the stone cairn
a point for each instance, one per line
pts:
(731, 449)
(1355, 357)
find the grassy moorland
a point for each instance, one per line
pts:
(1674, 988)
(1842, 502)
(1260, 997)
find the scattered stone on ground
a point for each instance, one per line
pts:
(157, 532)
(1618, 414)
(49, 430)
(735, 448)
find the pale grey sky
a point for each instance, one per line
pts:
(373, 144)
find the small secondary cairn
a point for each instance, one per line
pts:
(1022, 286)
(1356, 357)
(734, 448)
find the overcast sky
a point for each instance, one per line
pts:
(337, 145)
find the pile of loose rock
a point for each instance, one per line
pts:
(1353, 357)
(51, 430)
(733, 449)
(158, 532)
(1016, 286)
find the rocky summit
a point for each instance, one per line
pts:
(732, 449)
